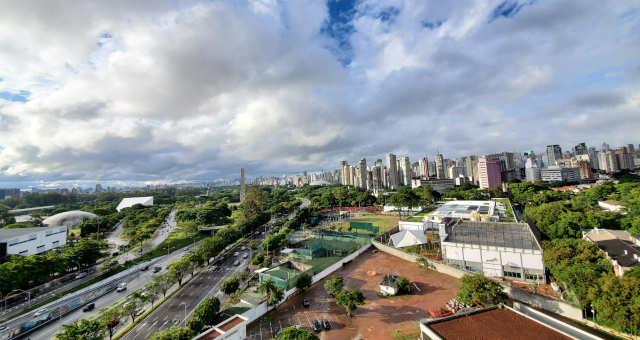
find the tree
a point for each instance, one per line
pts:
(334, 285)
(178, 269)
(195, 325)
(173, 333)
(303, 281)
(293, 333)
(480, 289)
(255, 202)
(131, 309)
(163, 282)
(82, 330)
(152, 290)
(404, 285)
(617, 301)
(111, 318)
(230, 286)
(257, 259)
(273, 292)
(207, 310)
(253, 244)
(350, 300)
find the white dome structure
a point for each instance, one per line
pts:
(68, 218)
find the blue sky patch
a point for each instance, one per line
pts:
(339, 27)
(22, 96)
(508, 9)
(388, 14)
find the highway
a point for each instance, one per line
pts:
(134, 281)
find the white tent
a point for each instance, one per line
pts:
(131, 201)
(408, 238)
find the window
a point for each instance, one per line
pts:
(14, 242)
(55, 243)
(51, 232)
(40, 246)
(533, 277)
(23, 252)
(515, 275)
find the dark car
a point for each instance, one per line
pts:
(305, 302)
(316, 326)
(157, 269)
(276, 331)
(326, 324)
(145, 268)
(89, 307)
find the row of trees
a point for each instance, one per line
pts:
(350, 299)
(23, 272)
(209, 213)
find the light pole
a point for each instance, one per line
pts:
(185, 311)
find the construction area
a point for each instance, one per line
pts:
(380, 317)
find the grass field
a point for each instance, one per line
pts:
(383, 222)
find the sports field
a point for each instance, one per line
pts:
(383, 222)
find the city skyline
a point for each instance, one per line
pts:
(93, 93)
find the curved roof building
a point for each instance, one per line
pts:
(68, 218)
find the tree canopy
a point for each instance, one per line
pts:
(480, 289)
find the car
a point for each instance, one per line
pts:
(306, 302)
(245, 256)
(316, 326)
(145, 268)
(81, 275)
(214, 268)
(243, 248)
(236, 263)
(236, 253)
(2, 328)
(41, 311)
(326, 324)
(276, 331)
(122, 286)
(89, 307)
(157, 269)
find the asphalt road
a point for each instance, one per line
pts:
(174, 310)
(134, 281)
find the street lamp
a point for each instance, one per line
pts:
(185, 311)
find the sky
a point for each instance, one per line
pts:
(170, 91)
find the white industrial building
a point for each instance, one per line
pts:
(558, 174)
(508, 250)
(29, 241)
(131, 201)
(436, 220)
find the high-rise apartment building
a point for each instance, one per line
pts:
(624, 158)
(243, 186)
(392, 171)
(580, 149)
(345, 176)
(489, 172)
(585, 170)
(532, 171)
(440, 174)
(554, 154)
(424, 168)
(363, 174)
(404, 171)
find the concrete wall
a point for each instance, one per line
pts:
(321, 275)
(256, 312)
(549, 304)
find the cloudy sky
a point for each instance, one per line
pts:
(193, 90)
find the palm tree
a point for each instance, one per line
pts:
(273, 292)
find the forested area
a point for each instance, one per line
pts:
(581, 269)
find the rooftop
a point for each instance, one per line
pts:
(497, 234)
(6, 234)
(492, 323)
(465, 209)
(613, 202)
(626, 253)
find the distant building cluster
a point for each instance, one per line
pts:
(579, 164)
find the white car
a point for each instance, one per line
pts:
(236, 253)
(245, 255)
(81, 275)
(214, 268)
(41, 311)
(122, 286)
(236, 263)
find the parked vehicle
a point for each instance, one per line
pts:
(236, 263)
(245, 256)
(122, 286)
(326, 324)
(316, 326)
(214, 268)
(157, 269)
(276, 331)
(236, 253)
(306, 302)
(89, 307)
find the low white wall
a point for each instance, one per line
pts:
(255, 312)
(321, 275)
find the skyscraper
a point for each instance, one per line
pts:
(489, 172)
(554, 154)
(363, 174)
(532, 171)
(404, 171)
(424, 168)
(243, 187)
(585, 170)
(392, 171)
(345, 173)
(440, 174)
(580, 149)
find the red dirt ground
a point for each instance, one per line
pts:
(379, 317)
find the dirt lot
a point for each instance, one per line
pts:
(378, 318)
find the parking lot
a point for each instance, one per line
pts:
(379, 317)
